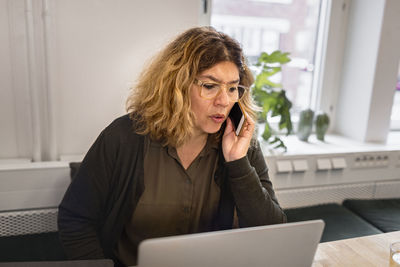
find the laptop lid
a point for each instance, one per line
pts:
(289, 244)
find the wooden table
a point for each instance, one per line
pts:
(363, 251)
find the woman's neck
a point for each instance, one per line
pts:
(197, 140)
(191, 149)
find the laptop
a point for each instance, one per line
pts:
(289, 244)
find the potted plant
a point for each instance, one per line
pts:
(321, 125)
(271, 97)
(305, 126)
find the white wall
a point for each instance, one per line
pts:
(369, 71)
(7, 114)
(386, 73)
(101, 47)
(77, 60)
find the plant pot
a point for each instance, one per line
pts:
(305, 124)
(321, 125)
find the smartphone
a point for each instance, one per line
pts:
(238, 117)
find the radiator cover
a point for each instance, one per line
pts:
(14, 223)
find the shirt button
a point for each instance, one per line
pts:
(186, 209)
(188, 181)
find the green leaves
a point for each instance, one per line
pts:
(263, 78)
(273, 102)
(275, 57)
(322, 119)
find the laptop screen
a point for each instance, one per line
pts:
(289, 244)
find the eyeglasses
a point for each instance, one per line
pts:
(209, 90)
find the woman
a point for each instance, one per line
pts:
(174, 164)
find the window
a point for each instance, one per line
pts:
(395, 118)
(265, 26)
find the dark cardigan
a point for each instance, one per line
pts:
(109, 183)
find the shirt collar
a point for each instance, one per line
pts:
(212, 144)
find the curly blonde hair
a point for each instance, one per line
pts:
(160, 101)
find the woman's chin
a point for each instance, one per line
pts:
(213, 130)
(210, 128)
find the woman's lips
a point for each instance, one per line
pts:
(218, 118)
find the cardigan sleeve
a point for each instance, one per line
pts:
(80, 212)
(254, 196)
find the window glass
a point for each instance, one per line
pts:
(267, 25)
(395, 118)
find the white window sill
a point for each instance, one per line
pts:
(333, 144)
(27, 165)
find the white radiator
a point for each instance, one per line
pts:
(294, 198)
(390, 189)
(28, 222)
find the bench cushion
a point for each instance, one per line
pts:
(74, 263)
(34, 247)
(340, 223)
(384, 214)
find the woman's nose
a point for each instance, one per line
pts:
(222, 98)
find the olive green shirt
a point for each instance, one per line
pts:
(105, 192)
(175, 201)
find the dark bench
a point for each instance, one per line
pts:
(384, 214)
(33, 247)
(356, 217)
(340, 223)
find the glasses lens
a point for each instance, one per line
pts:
(209, 90)
(234, 93)
(241, 91)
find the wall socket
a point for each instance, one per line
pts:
(371, 161)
